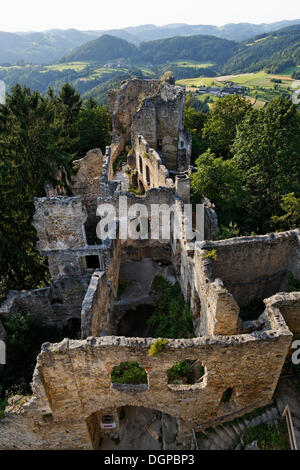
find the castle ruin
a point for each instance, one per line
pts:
(75, 404)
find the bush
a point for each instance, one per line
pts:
(3, 403)
(269, 436)
(157, 348)
(129, 373)
(210, 255)
(25, 335)
(121, 289)
(172, 317)
(224, 233)
(184, 370)
(294, 284)
(159, 283)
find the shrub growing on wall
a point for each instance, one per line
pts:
(129, 373)
(172, 317)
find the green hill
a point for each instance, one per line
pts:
(199, 48)
(102, 49)
(271, 51)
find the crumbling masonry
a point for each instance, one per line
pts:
(72, 386)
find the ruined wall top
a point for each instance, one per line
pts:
(59, 222)
(156, 111)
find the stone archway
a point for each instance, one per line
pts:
(132, 428)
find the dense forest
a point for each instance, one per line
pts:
(199, 48)
(280, 48)
(48, 46)
(103, 49)
(249, 164)
(273, 52)
(38, 137)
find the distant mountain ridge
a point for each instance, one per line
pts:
(105, 48)
(49, 46)
(201, 48)
(270, 51)
(187, 57)
(231, 31)
(275, 50)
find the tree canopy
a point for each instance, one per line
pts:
(39, 138)
(251, 170)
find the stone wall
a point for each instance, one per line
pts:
(289, 307)
(149, 166)
(54, 305)
(215, 311)
(97, 306)
(123, 102)
(72, 381)
(256, 267)
(59, 222)
(156, 111)
(86, 183)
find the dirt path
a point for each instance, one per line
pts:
(229, 77)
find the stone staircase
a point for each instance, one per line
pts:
(228, 435)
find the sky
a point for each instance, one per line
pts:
(39, 15)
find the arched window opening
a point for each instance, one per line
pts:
(141, 165)
(148, 176)
(189, 372)
(129, 375)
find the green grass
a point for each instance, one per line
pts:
(294, 284)
(260, 79)
(193, 64)
(10, 67)
(261, 88)
(147, 72)
(100, 71)
(290, 70)
(204, 96)
(249, 44)
(172, 317)
(77, 66)
(200, 81)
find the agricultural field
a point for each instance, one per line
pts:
(262, 86)
(197, 82)
(77, 66)
(289, 70)
(206, 97)
(193, 64)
